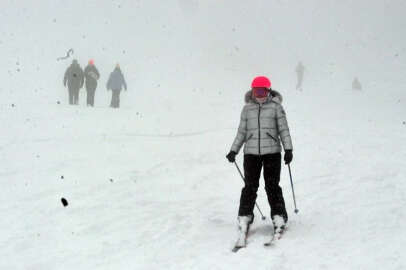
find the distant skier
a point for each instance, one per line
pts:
(299, 72)
(74, 78)
(263, 126)
(115, 83)
(356, 85)
(91, 75)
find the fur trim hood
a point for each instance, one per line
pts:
(273, 96)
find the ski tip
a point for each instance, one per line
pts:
(235, 249)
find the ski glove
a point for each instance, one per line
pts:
(288, 156)
(231, 156)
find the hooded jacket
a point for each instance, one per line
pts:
(263, 127)
(116, 80)
(74, 76)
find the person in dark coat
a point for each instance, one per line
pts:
(74, 79)
(263, 128)
(91, 76)
(115, 84)
(356, 85)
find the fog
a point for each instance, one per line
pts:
(147, 185)
(207, 44)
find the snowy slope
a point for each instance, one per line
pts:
(148, 185)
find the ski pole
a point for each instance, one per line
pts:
(263, 217)
(293, 191)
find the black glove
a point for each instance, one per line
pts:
(288, 156)
(231, 156)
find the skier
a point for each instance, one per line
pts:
(356, 85)
(263, 126)
(299, 72)
(115, 83)
(74, 78)
(91, 75)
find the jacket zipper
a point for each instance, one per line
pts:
(259, 130)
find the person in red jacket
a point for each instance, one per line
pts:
(91, 76)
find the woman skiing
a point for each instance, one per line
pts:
(263, 126)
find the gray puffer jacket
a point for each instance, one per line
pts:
(263, 126)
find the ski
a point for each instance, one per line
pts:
(237, 248)
(270, 241)
(241, 242)
(242, 238)
(276, 235)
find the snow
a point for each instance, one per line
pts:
(148, 185)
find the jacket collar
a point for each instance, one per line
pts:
(274, 96)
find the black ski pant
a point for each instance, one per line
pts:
(272, 170)
(90, 95)
(73, 96)
(115, 98)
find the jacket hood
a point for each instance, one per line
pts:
(274, 96)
